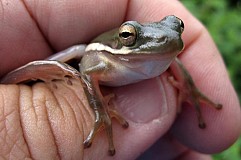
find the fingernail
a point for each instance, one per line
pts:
(141, 102)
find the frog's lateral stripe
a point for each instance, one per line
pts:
(102, 47)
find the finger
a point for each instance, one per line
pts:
(209, 73)
(171, 9)
(46, 27)
(204, 62)
(42, 122)
(167, 147)
(52, 122)
(70, 22)
(20, 39)
(149, 108)
(11, 129)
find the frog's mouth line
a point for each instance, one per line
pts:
(149, 57)
(102, 47)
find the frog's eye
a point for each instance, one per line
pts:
(127, 34)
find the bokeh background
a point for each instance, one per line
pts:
(223, 20)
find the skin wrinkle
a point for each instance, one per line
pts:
(14, 30)
(2, 121)
(65, 106)
(37, 24)
(57, 97)
(83, 119)
(66, 103)
(54, 134)
(82, 125)
(70, 106)
(85, 112)
(35, 105)
(19, 147)
(3, 110)
(35, 20)
(21, 122)
(7, 136)
(31, 91)
(126, 10)
(4, 138)
(50, 124)
(15, 142)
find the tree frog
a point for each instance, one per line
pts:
(129, 54)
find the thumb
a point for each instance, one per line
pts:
(48, 122)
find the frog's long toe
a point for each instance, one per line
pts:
(200, 97)
(102, 120)
(119, 118)
(113, 113)
(190, 93)
(103, 117)
(204, 98)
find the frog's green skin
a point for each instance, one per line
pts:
(125, 55)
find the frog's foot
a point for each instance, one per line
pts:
(103, 120)
(190, 93)
(113, 113)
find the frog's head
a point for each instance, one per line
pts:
(150, 38)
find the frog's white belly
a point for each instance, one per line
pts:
(121, 70)
(122, 74)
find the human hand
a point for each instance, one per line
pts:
(41, 127)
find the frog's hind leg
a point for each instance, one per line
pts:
(45, 70)
(189, 92)
(103, 111)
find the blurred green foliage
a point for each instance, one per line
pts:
(223, 20)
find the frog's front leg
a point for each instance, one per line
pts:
(53, 68)
(189, 92)
(92, 68)
(74, 52)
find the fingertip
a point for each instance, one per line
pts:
(222, 129)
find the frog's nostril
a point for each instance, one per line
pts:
(162, 40)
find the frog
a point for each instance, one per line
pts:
(129, 54)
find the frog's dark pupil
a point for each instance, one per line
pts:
(126, 34)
